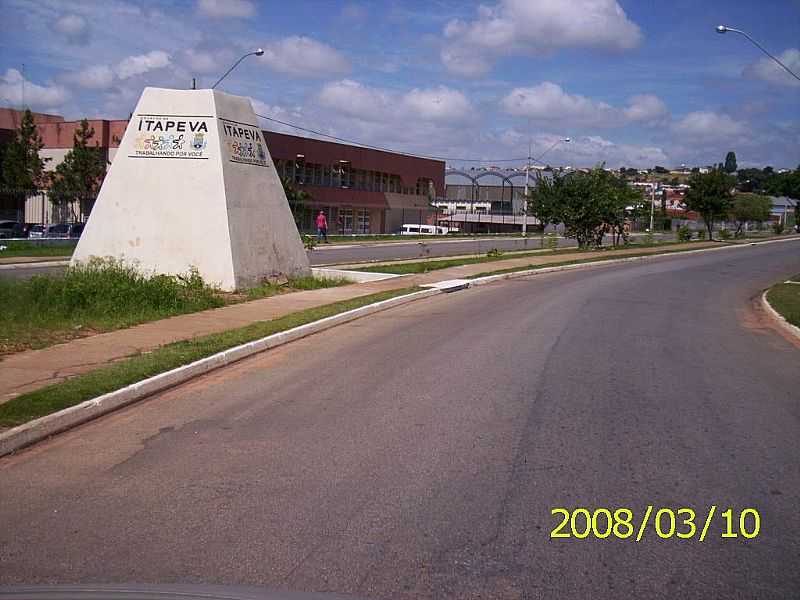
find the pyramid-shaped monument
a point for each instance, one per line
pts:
(193, 185)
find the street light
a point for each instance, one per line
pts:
(256, 52)
(527, 177)
(726, 29)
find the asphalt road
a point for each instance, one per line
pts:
(372, 252)
(418, 453)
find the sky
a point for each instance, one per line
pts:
(631, 83)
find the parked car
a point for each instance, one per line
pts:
(65, 230)
(37, 231)
(10, 229)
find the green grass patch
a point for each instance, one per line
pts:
(585, 260)
(141, 366)
(104, 295)
(785, 298)
(17, 249)
(436, 264)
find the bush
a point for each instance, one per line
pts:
(724, 234)
(552, 241)
(101, 294)
(494, 253)
(778, 228)
(701, 234)
(684, 233)
(667, 224)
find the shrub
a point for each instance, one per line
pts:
(684, 233)
(724, 234)
(777, 228)
(552, 241)
(494, 253)
(701, 234)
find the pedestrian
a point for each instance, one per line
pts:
(322, 227)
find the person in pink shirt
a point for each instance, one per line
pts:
(322, 227)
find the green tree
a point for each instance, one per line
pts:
(730, 162)
(542, 206)
(297, 199)
(710, 195)
(589, 204)
(784, 184)
(80, 174)
(23, 168)
(749, 208)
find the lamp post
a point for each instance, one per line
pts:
(256, 52)
(527, 178)
(726, 29)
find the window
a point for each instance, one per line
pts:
(347, 219)
(363, 220)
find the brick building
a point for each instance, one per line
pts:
(361, 190)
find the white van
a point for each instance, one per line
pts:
(414, 229)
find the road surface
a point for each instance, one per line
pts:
(418, 453)
(372, 252)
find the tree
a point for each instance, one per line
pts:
(710, 195)
(23, 168)
(297, 199)
(730, 162)
(784, 184)
(660, 170)
(589, 204)
(749, 207)
(80, 174)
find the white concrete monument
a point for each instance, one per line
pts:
(193, 185)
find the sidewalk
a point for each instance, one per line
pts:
(27, 371)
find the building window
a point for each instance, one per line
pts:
(347, 219)
(363, 220)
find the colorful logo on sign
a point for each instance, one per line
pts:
(166, 136)
(244, 143)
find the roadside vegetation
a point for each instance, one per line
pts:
(16, 249)
(104, 295)
(112, 377)
(785, 298)
(494, 255)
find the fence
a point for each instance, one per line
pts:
(35, 206)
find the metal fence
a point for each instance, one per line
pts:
(35, 206)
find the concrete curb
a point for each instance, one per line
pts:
(779, 319)
(34, 265)
(601, 263)
(39, 429)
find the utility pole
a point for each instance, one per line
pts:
(527, 178)
(652, 206)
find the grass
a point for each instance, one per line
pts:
(586, 260)
(104, 295)
(30, 249)
(785, 298)
(434, 265)
(47, 400)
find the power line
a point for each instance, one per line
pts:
(383, 149)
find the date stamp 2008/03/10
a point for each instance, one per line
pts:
(680, 523)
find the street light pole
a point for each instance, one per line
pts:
(257, 52)
(726, 29)
(527, 175)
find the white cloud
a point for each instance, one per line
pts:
(226, 8)
(304, 57)
(709, 127)
(528, 27)
(767, 70)
(99, 77)
(11, 89)
(142, 63)
(647, 109)
(208, 61)
(440, 104)
(73, 27)
(548, 102)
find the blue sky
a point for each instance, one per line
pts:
(632, 83)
